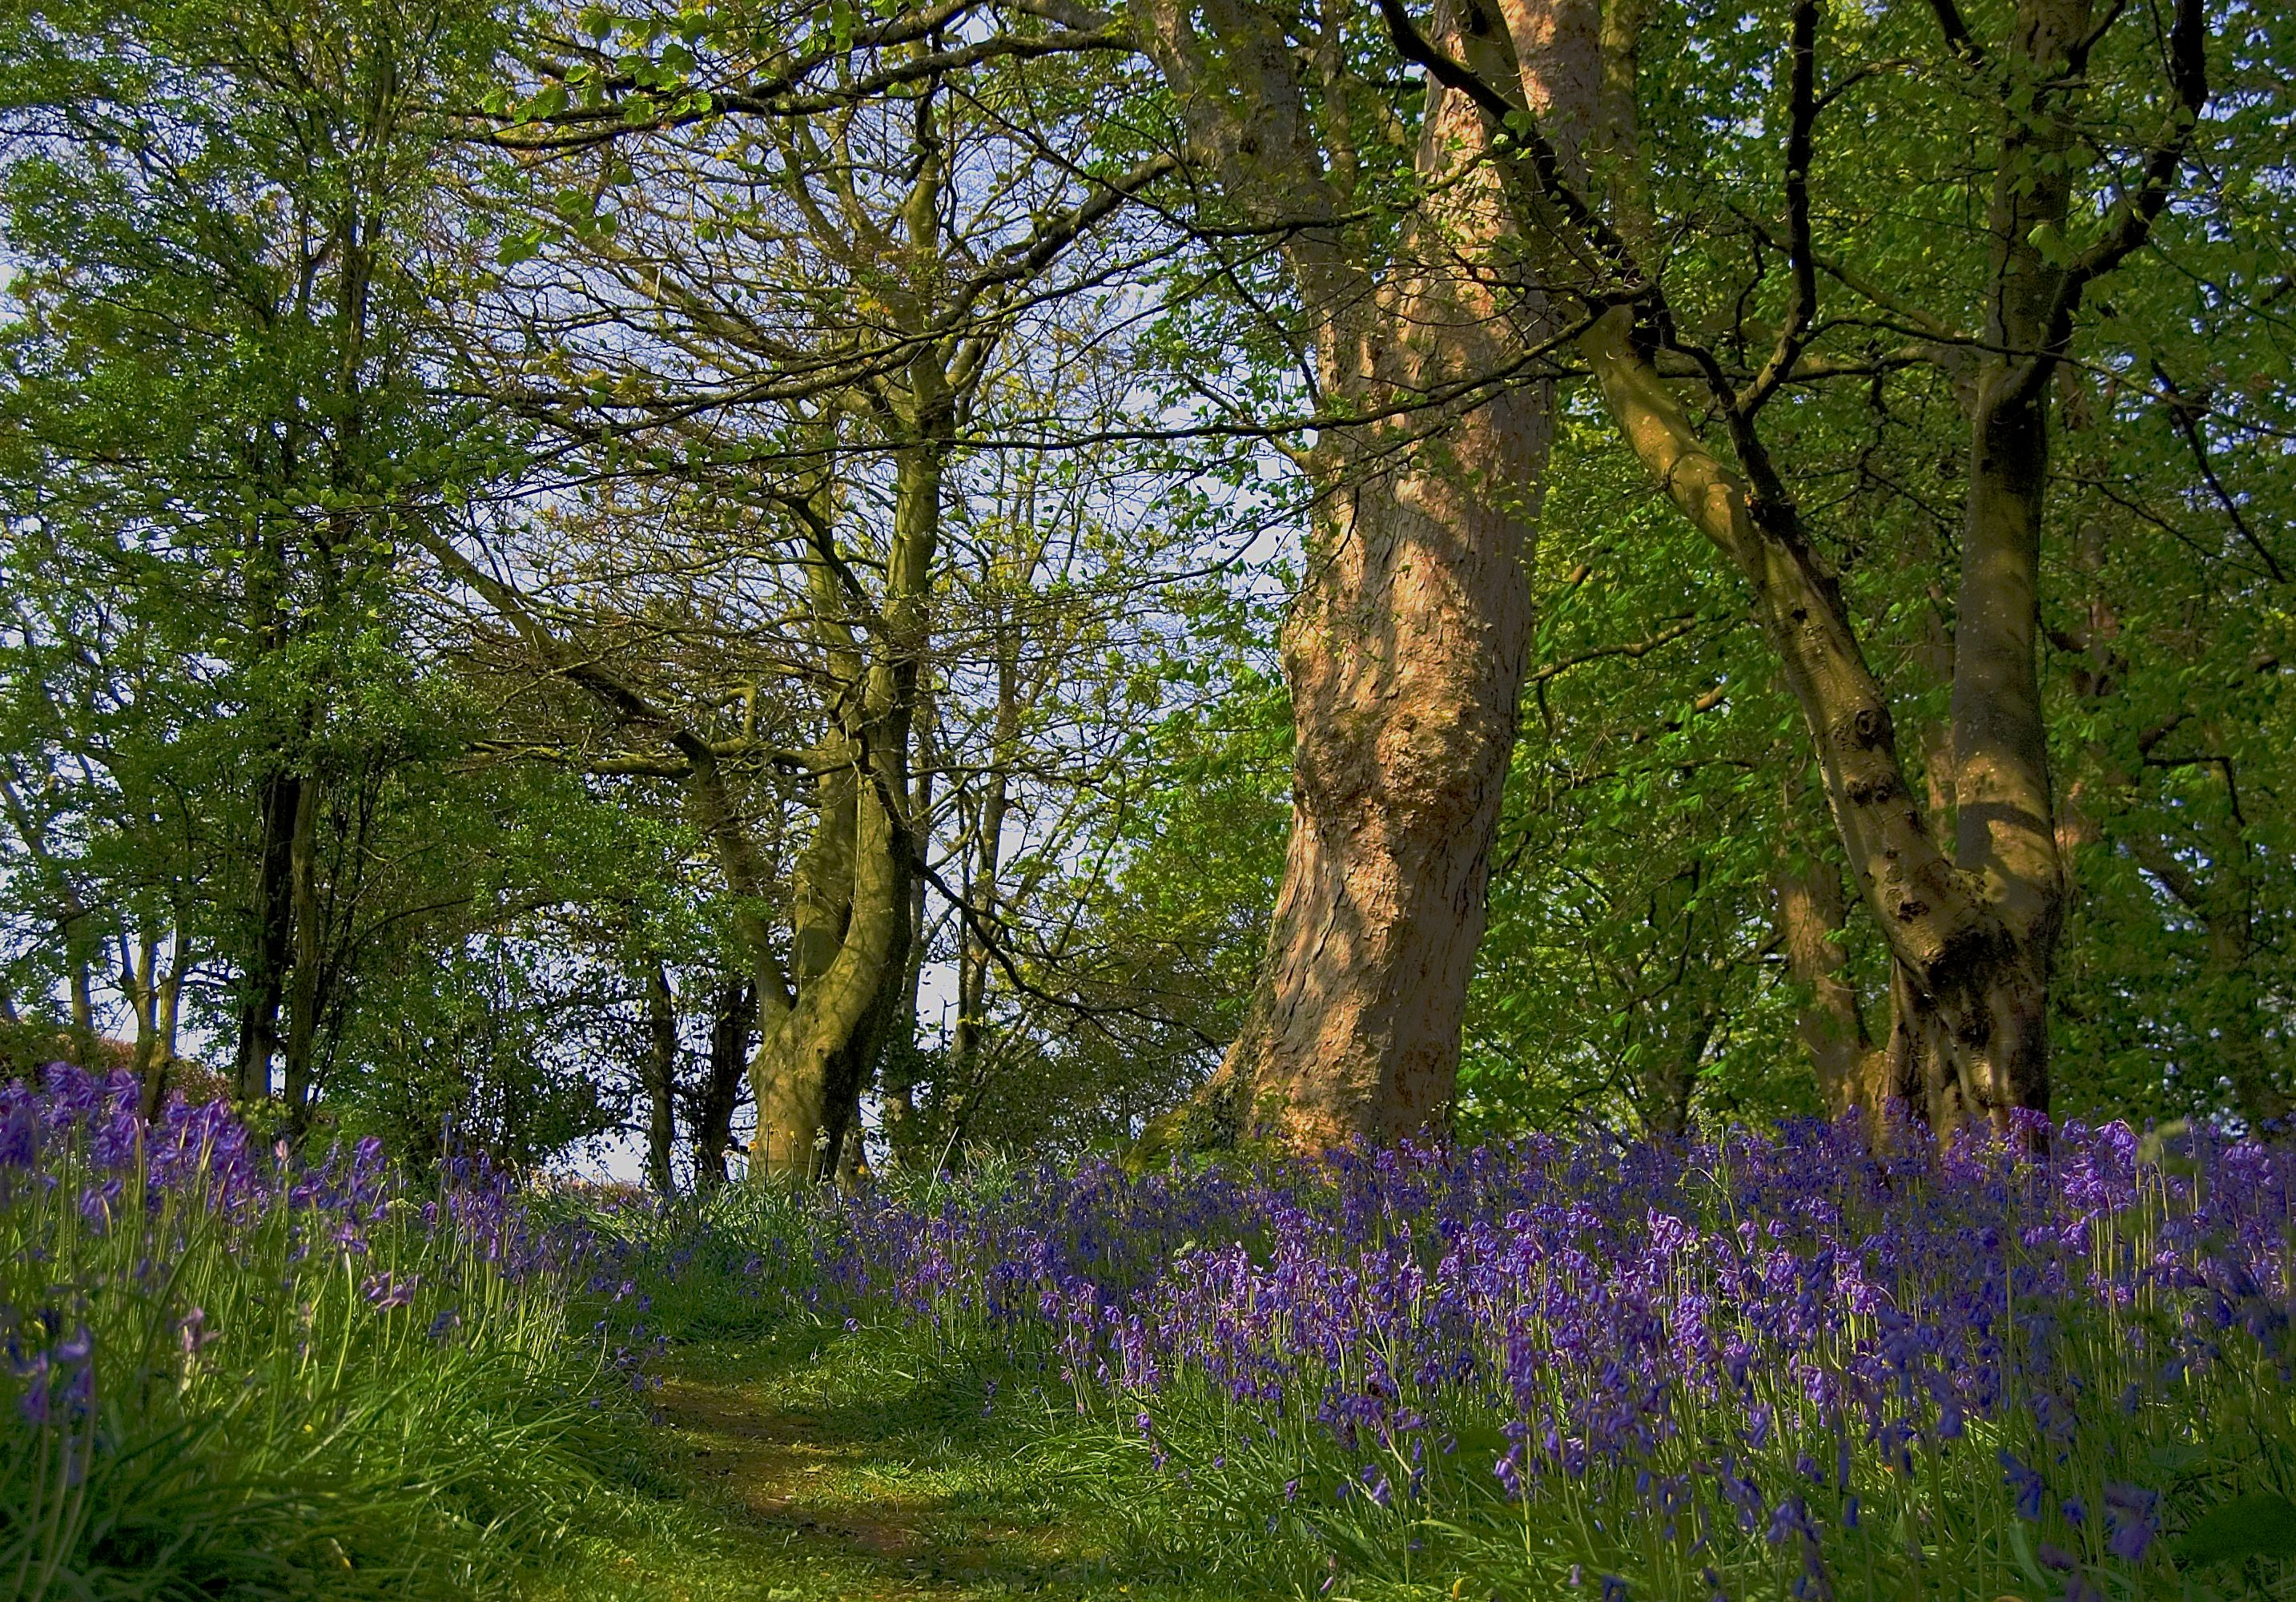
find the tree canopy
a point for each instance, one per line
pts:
(852, 581)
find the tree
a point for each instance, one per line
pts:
(215, 398)
(1403, 652)
(1971, 933)
(871, 223)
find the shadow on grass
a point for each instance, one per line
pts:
(812, 1465)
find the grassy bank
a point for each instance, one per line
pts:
(228, 1374)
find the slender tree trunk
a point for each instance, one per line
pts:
(1972, 936)
(1405, 652)
(171, 996)
(983, 885)
(157, 1068)
(140, 983)
(899, 1090)
(279, 804)
(732, 1021)
(1675, 1073)
(1967, 977)
(660, 1080)
(1810, 912)
(305, 990)
(814, 1061)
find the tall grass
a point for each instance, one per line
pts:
(230, 1373)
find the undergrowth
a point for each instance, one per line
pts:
(231, 1374)
(1769, 1367)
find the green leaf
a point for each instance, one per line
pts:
(2021, 1546)
(2259, 1524)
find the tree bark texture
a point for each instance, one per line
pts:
(1404, 651)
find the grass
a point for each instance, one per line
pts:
(820, 1465)
(906, 1428)
(226, 1376)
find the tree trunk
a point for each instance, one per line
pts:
(732, 1021)
(808, 1063)
(156, 1063)
(814, 1059)
(305, 991)
(899, 1087)
(280, 804)
(967, 1066)
(1809, 913)
(1405, 652)
(1971, 938)
(1974, 990)
(660, 1080)
(1673, 1074)
(140, 983)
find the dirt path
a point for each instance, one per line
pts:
(787, 1473)
(821, 1466)
(855, 1507)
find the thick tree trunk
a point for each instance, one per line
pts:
(808, 1066)
(1405, 657)
(1404, 651)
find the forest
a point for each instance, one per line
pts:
(1361, 798)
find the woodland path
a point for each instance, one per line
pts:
(784, 1474)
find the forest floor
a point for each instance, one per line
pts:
(814, 1468)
